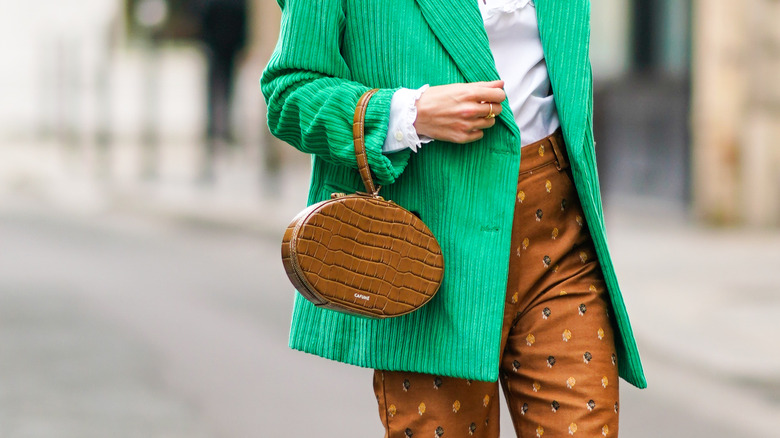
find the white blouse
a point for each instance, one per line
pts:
(513, 33)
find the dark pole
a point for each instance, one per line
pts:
(645, 19)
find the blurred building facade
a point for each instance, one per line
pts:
(641, 62)
(736, 112)
(687, 98)
(687, 95)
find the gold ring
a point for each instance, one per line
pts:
(490, 114)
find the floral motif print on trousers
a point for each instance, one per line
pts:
(559, 369)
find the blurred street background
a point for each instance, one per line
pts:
(142, 203)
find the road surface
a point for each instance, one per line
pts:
(122, 326)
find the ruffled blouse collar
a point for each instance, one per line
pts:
(491, 7)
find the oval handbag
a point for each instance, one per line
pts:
(359, 253)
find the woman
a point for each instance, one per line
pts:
(529, 291)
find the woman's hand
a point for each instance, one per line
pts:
(456, 112)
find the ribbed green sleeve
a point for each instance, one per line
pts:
(311, 97)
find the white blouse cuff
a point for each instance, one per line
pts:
(401, 133)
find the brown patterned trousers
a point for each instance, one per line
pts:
(558, 367)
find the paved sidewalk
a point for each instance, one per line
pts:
(705, 297)
(179, 331)
(243, 194)
(704, 303)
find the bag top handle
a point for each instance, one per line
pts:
(358, 126)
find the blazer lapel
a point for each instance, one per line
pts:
(564, 27)
(459, 28)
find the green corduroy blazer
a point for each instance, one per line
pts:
(331, 51)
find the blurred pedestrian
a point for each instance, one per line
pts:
(500, 92)
(223, 25)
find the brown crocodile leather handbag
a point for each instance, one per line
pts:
(359, 253)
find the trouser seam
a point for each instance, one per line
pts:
(510, 402)
(384, 404)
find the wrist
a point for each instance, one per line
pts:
(416, 111)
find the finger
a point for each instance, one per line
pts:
(474, 136)
(486, 94)
(483, 123)
(492, 84)
(485, 107)
(497, 108)
(474, 110)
